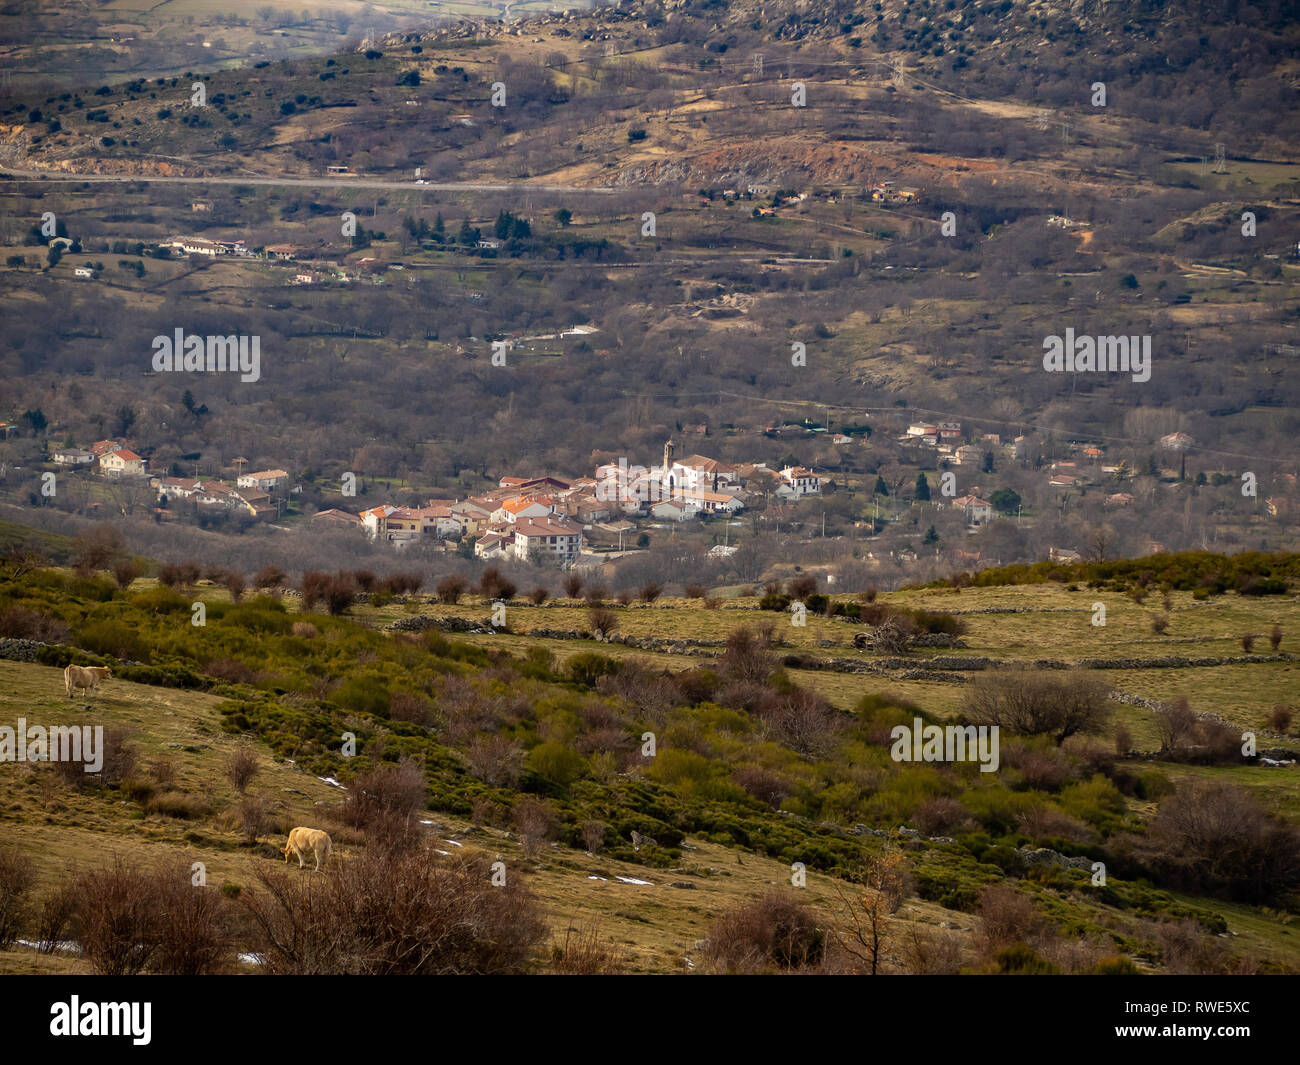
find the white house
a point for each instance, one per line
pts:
(122, 462)
(978, 511)
(72, 456)
(494, 545)
(799, 482)
(516, 509)
(672, 510)
(266, 480)
(536, 537)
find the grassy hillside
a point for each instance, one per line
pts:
(530, 750)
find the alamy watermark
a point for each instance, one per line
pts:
(919, 742)
(53, 743)
(1103, 354)
(196, 354)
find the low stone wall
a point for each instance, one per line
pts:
(20, 650)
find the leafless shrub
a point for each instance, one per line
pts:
(192, 931)
(254, 817)
(1025, 702)
(624, 597)
(395, 913)
(596, 595)
(384, 797)
(535, 824)
(1280, 718)
(117, 919)
(593, 835)
(765, 785)
(125, 571)
(712, 603)
(1213, 838)
(1187, 949)
(19, 623)
(410, 706)
(582, 953)
(603, 621)
(57, 912)
(696, 591)
(650, 591)
(496, 760)
(1007, 916)
(1176, 725)
(745, 658)
(931, 951)
(1042, 823)
(494, 585)
(231, 671)
(305, 629)
(1275, 637)
(163, 771)
(16, 880)
(241, 767)
(775, 931)
(573, 585)
(314, 586)
(1123, 739)
(1046, 770)
(1248, 642)
(801, 587)
(119, 760)
(235, 585)
(340, 592)
(942, 816)
(801, 719)
(1159, 624)
(270, 576)
(451, 588)
(539, 595)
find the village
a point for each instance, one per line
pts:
(620, 507)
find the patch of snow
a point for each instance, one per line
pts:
(252, 959)
(67, 945)
(436, 851)
(331, 782)
(593, 876)
(453, 843)
(633, 880)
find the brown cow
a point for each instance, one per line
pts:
(304, 840)
(84, 677)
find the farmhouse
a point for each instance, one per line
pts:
(266, 480)
(799, 482)
(977, 511)
(122, 462)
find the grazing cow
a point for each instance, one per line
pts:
(85, 677)
(304, 840)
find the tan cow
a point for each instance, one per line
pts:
(85, 677)
(304, 840)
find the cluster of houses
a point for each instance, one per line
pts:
(546, 516)
(888, 192)
(215, 248)
(250, 494)
(110, 457)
